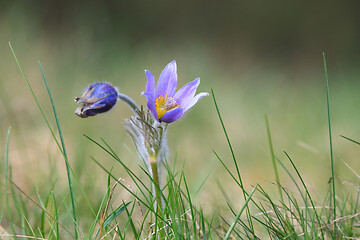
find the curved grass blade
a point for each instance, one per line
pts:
(63, 150)
(227, 137)
(34, 97)
(234, 159)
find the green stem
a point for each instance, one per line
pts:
(331, 147)
(129, 101)
(67, 164)
(273, 158)
(155, 173)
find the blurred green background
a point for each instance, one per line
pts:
(260, 57)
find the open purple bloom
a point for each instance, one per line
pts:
(165, 103)
(97, 98)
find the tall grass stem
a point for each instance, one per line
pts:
(64, 151)
(273, 158)
(6, 158)
(245, 205)
(234, 159)
(34, 97)
(330, 142)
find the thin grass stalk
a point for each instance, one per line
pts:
(237, 233)
(47, 122)
(351, 140)
(131, 174)
(273, 158)
(97, 220)
(6, 158)
(38, 205)
(227, 138)
(258, 206)
(19, 203)
(239, 214)
(34, 97)
(210, 225)
(56, 216)
(42, 221)
(193, 220)
(132, 225)
(234, 159)
(330, 142)
(64, 151)
(306, 190)
(202, 223)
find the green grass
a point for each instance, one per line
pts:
(106, 191)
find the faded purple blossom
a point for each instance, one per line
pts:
(165, 103)
(97, 98)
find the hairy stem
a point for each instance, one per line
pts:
(155, 173)
(129, 101)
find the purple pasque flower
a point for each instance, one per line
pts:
(97, 98)
(165, 103)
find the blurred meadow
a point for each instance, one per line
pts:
(260, 58)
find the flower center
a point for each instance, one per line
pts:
(164, 104)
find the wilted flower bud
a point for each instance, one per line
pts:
(97, 98)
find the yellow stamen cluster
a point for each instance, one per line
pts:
(164, 104)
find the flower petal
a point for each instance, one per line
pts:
(187, 92)
(172, 115)
(193, 101)
(150, 85)
(167, 81)
(151, 104)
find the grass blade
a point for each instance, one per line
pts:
(62, 148)
(331, 147)
(34, 97)
(6, 157)
(273, 158)
(234, 159)
(64, 151)
(115, 214)
(306, 190)
(351, 140)
(191, 207)
(239, 214)
(56, 217)
(38, 205)
(227, 137)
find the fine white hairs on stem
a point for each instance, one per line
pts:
(149, 137)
